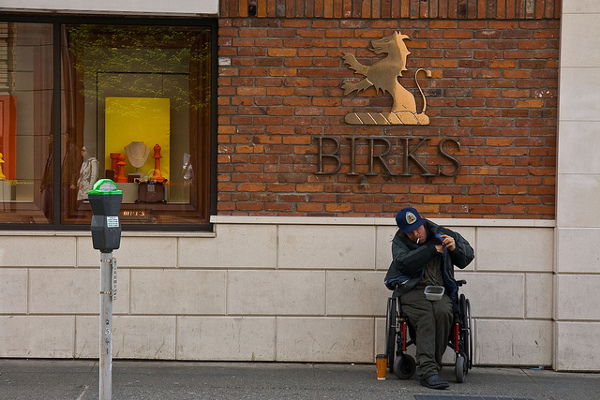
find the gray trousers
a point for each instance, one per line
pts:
(432, 321)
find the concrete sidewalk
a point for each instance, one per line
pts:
(78, 380)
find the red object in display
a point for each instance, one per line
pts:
(157, 175)
(120, 177)
(8, 135)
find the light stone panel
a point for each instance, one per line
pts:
(356, 293)
(494, 295)
(50, 251)
(87, 336)
(383, 251)
(503, 249)
(578, 185)
(37, 336)
(276, 292)
(13, 291)
(575, 344)
(87, 256)
(226, 338)
(380, 335)
(247, 246)
(325, 339)
(575, 154)
(135, 337)
(468, 233)
(326, 247)
(576, 52)
(577, 297)
(539, 295)
(576, 199)
(121, 302)
(144, 337)
(580, 7)
(579, 98)
(177, 292)
(135, 252)
(72, 291)
(513, 342)
(578, 250)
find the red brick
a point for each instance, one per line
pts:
(499, 105)
(311, 207)
(511, 209)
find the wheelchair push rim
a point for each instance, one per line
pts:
(468, 322)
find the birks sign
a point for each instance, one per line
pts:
(409, 155)
(334, 152)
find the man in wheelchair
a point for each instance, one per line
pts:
(424, 255)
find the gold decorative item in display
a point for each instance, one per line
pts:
(383, 76)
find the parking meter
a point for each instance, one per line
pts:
(105, 200)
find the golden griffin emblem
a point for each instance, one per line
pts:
(383, 76)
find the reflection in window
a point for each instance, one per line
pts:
(136, 109)
(26, 84)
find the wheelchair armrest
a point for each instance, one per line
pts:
(461, 282)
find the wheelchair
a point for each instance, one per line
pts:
(400, 335)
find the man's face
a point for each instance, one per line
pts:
(419, 235)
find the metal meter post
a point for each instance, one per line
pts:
(105, 200)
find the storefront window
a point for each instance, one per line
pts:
(137, 110)
(135, 107)
(26, 87)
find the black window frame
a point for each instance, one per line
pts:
(57, 21)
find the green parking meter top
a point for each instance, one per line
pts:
(105, 186)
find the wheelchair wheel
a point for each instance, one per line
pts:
(460, 368)
(390, 329)
(466, 331)
(405, 366)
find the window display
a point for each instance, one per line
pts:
(26, 87)
(136, 105)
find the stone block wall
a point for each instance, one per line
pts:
(263, 289)
(578, 174)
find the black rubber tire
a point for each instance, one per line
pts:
(460, 368)
(390, 326)
(470, 336)
(405, 366)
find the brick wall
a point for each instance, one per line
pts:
(493, 93)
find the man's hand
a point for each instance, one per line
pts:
(448, 242)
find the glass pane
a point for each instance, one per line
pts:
(137, 107)
(25, 122)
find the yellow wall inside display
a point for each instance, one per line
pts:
(138, 119)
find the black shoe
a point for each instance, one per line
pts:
(434, 382)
